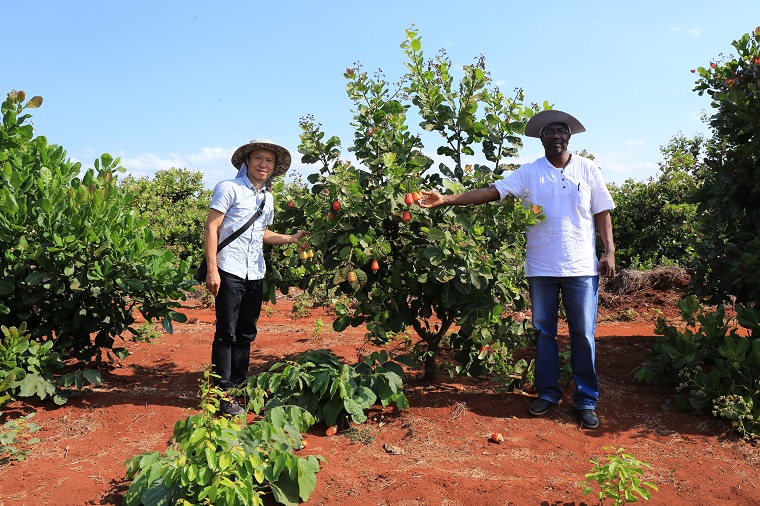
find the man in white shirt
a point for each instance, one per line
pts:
(235, 274)
(561, 254)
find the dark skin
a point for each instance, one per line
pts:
(555, 139)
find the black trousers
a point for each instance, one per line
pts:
(238, 306)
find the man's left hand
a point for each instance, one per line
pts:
(607, 265)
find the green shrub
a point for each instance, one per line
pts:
(319, 382)
(427, 269)
(27, 369)
(176, 204)
(729, 195)
(712, 361)
(655, 221)
(215, 460)
(75, 261)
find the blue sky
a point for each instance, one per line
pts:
(182, 84)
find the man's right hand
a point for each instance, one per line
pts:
(430, 199)
(213, 282)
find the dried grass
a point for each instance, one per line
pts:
(662, 279)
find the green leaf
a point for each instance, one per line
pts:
(34, 102)
(34, 278)
(355, 410)
(307, 479)
(6, 288)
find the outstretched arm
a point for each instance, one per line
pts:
(277, 238)
(479, 196)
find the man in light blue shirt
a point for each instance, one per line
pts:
(235, 274)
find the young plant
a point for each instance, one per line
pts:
(319, 326)
(146, 332)
(618, 477)
(320, 383)
(28, 367)
(712, 361)
(15, 438)
(215, 460)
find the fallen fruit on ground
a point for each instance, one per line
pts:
(331, 430)
(496, 437)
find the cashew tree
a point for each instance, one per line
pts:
(446, 271)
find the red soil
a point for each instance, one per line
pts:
(444, 455)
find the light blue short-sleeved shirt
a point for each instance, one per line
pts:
(564, 244)
(238, 200)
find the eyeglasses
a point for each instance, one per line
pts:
(551, 132)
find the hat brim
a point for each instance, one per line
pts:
(543, 118)
(282, 155)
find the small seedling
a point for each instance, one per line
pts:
(619, 478)
(15, 439)
(319, 326)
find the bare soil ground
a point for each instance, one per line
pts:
(441, 452)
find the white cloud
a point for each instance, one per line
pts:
(213, 162)
(636, 144)
(694, 32)
(618, 167)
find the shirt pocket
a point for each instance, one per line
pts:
(584, 196)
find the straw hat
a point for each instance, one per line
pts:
(282, 155)
(543, 118)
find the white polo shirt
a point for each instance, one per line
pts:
(564, 244)
(238, 200)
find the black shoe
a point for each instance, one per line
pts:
(230, 407)
(539, 407)
(589, 419)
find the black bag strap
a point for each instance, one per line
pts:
(234, 235)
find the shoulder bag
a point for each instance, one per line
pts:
(200, 276)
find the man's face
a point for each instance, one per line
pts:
(555, 137)
(260, 165)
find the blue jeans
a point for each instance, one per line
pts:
(238, 306)
(580, 297)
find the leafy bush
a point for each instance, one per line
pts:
(215, 460)
(75, 261)
(712, 361)
(176, 204)
(406, 266)
(500, 359)
(655, 221)
(320, 383)
(27, 369)
(729, 196)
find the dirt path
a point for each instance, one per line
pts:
(445, 459)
